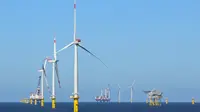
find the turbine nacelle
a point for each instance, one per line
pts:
(47, 58)
(78, 40)
(132, 85)
(52, 61)
(40, 70)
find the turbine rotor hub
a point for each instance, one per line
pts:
(77, 41)
(51, 61)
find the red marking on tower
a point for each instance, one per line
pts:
(54, 40)
(74, 6)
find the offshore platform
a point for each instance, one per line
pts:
(154, 97)
(25, 100)
(37, 95)
(105, 96)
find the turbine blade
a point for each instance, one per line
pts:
(118, 86)
(65, 47)
(56, 68)
(91, 54)
(133, 83)
(44, 72)
(45, 62)
(42, 66)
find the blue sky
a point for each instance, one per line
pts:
(153, 42)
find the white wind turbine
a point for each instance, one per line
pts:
(43, 76)
(132, 91)
(119, 93)
(76, 43)
(54, 70)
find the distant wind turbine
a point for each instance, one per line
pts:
(132, 91)
(54, 70)
(118, 93)
(43, 76)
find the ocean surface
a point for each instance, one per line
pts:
(100, 107)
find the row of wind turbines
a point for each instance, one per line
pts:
(131, 95)
(54, 61)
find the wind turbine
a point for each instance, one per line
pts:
(43, 76)
(118, 93)
(132, 91)
(54, 70)
(109, 95)
(76, 43)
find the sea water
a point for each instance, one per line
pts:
(100, 107)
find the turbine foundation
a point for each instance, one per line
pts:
(166, 101)
(42, 102)
(31, 101)
(193, 101)
(53, 103)
(75, 102)
(35, 102)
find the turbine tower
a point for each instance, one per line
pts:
(54, 70)
(109, 92)
(118, 93)
(132, 91)
(76, 43)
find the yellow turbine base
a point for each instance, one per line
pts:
(35, 102)
(53, 103)
(193, 102)
(31, 101)
(75, 104)
(166, 102)
(42, 102)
